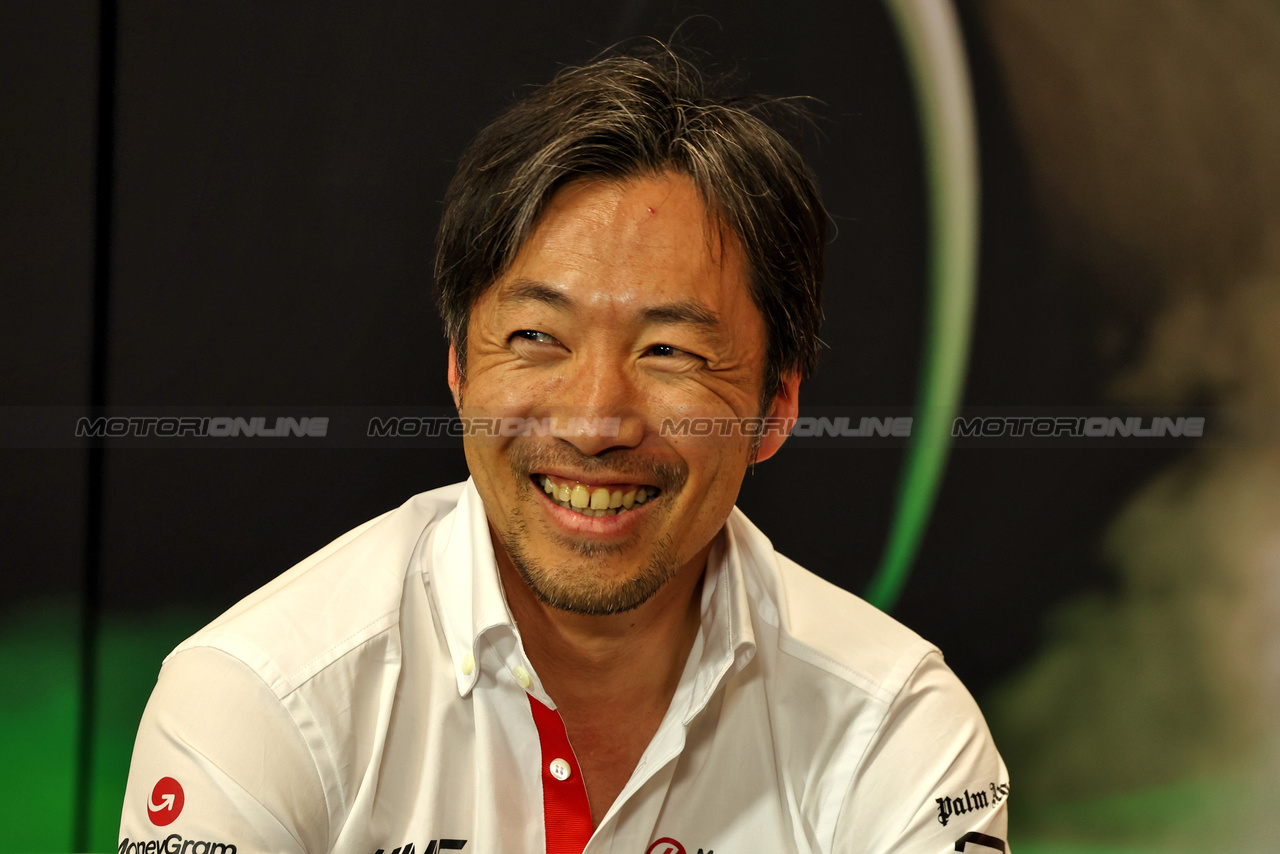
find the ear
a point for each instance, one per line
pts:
(786, 408)
(455, 379)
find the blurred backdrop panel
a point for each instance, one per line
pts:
(47, 108)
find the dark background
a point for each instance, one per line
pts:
(276, 171)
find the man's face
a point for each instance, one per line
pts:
(628, 305)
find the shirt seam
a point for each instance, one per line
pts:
(874, 739)
(285, 684)
(857, 678)
(315, 766)
(280, 697)
(337, 778)
(334, 658)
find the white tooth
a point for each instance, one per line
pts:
(629, 499)
(615, 500)
(599, 499)
(642, 495)
(548, 485)
(563, 492)
(580, 498)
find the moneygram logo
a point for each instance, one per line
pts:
(665, 845)
(166, 802)
(174, 844)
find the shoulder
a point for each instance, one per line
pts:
(195, 739)
(341, 597)
(303, 671)
(903, 744)
(819, 628)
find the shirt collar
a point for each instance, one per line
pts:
(728, 640)
(463, 574)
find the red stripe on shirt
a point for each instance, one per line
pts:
(566, 812)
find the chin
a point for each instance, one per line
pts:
(572, 583)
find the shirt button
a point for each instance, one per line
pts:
(468, 664)
(560, 769)
(522, 676)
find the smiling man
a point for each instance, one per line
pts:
(584, 647)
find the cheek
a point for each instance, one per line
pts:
(712, 494)
(501, 390)
(716, 467)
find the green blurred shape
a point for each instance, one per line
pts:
(1057, 848)
(1225, 814)
(39, 702)
(934, 49)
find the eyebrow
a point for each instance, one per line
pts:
(680, 312)
(530, 290)
(693, 313)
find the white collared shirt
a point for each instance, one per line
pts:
(377, 697)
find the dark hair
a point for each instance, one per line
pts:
(628, 116)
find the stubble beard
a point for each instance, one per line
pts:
(576, 586)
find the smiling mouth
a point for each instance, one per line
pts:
(595, 501)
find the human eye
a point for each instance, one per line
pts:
(673, 353)
(534, 336)
(535, 346)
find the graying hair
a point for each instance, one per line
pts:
(624, 117)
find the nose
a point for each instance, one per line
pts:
(601, 406)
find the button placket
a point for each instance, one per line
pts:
(566, 809)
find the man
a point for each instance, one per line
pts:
(585, 646)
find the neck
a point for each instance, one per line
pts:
(597, 662)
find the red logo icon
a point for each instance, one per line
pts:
(166, 802)
(665, 845)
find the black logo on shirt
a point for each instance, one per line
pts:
(174, 844)
(970, 801)
(432, 847)
(979, 839)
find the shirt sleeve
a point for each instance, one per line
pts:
(931, 780)
(220, 767)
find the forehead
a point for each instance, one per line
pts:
(648, 239)
(657, 212)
